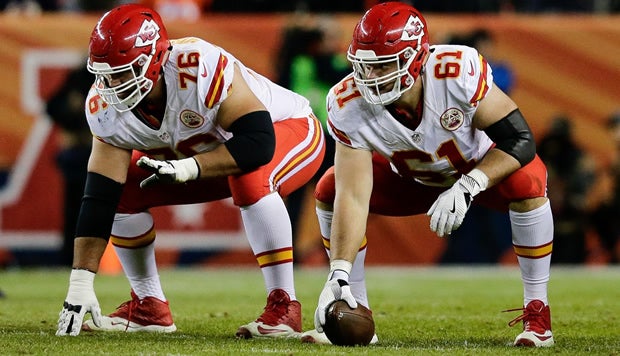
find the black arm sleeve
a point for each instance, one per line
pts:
(254, 141)
(101, 197)
(513, 136)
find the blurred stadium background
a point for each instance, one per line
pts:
(565, 57)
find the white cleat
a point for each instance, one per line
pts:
(120, 324)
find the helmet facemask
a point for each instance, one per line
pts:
(126, 96)
(373, 89)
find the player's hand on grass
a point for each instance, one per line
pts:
(448, 211)
(174, 171)
(81, 299)
(334, 289)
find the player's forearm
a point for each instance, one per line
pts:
(498, 165)
(252, 145)
(88, 252)
(217, 163)
(348, 231)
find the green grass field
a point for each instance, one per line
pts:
(425, 311)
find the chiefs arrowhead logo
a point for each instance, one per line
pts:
(413, 30)
(148, 34)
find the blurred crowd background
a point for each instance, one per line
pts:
(584, 188)
(261, 6)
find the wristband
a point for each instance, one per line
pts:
(80, 282)
(340, 269)
(475, 181)
(81, 275)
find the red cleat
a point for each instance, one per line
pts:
(149, 314)
(536, 325)
(281, 318)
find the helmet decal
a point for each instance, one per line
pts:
(413, 30)
(148, 34)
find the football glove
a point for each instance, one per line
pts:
(335, 289)
(81, 299)
(174, 171)
(448, 211)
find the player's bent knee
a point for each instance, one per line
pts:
(325, 191)
(133, 230)
(526, 205)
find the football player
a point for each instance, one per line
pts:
(177, 122)
(423, 129)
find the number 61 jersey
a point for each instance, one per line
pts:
(445, 143)
(198, 77)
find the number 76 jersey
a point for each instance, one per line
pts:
(198, 78)
(445, 143)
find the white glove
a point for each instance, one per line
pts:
(81, 299)
(174, 171)
(336, 288)
(448, 211)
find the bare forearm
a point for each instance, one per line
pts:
(348, 231)
(216, 163)
(497, 165)
(88, 252)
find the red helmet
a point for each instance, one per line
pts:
(390, 33)
(129, 38)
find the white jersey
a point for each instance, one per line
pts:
(444, 143)
(198, 77)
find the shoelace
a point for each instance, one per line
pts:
(513, 322)
(130, 305)
(271, 308)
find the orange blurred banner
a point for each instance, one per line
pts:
(562, 64)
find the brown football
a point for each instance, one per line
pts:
(348, 327)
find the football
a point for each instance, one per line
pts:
(348, 327)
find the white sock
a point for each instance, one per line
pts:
(138, 262)
(357, 279)
(269, 232)
(532, 233)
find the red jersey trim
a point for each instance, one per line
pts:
(339, 134)
(217, 85)
(483, 86)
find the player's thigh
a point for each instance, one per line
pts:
(529, 181)
(393, 195)
(136, 199)
(300, 148)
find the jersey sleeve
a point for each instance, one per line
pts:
(99, 116)
(215, 74)
(345, 118)
(477, 76)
